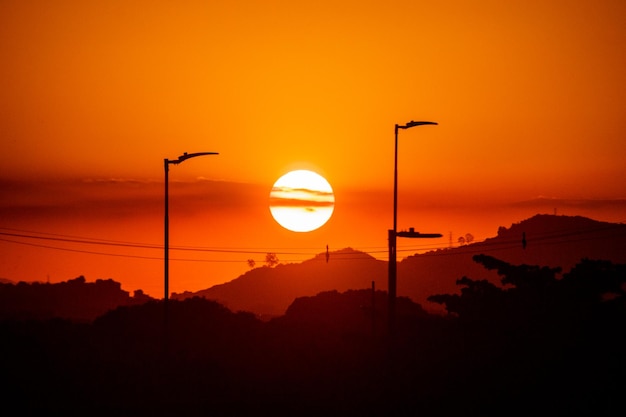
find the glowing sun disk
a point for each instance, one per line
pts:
(302, 201)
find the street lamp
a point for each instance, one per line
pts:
(393, 233)
(166, 164)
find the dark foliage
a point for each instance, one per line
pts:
(535, 346)
(554, 344)
(75, 299)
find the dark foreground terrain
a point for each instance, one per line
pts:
(536, 345)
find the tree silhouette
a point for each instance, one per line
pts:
(532, 294)
(532, 287)
(478, 300)
(271, 259)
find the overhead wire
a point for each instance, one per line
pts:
(122, 255)
(142, 245)
(488, 245)
(160, 246)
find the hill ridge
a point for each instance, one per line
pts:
(551, 240)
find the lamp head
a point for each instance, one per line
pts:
(413, 123)
(193, 155)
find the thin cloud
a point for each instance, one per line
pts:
(309, 197)
(119, 181)
(303, 190)
(295, 202)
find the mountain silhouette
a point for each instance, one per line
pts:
(74, 299)
(269, 291)
(552, 241)
(544, 240)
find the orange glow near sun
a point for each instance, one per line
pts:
(302, 201)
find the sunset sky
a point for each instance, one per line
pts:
(529, 97)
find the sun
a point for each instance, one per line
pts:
(302, 201)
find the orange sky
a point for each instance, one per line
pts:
(529, 97)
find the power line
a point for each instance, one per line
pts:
(143, 245)
(489, 245)
(122, 255)
(243, 249)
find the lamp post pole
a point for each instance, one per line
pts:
(166, 164)
(393, 233)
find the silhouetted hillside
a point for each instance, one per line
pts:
(269, 291)
(554, 241)
(75, 299)
(551, 241)
(350, 312)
